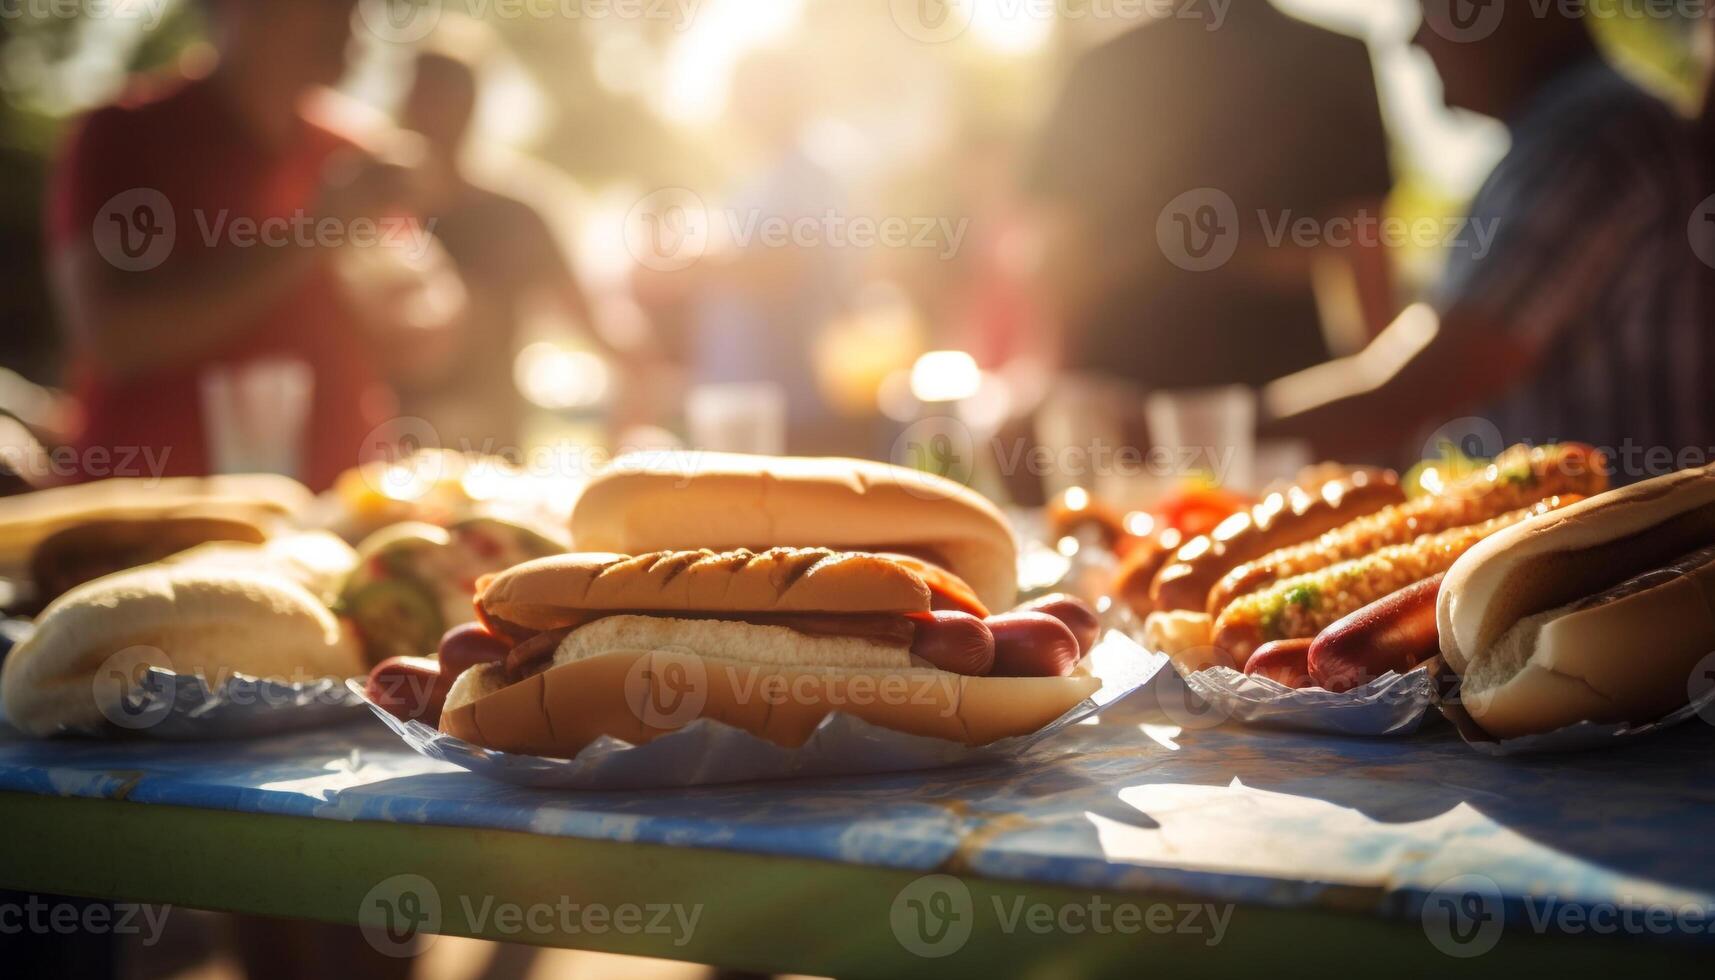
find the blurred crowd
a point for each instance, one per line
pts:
(246, 268)
(249, 269)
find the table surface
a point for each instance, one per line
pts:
(1130, 803)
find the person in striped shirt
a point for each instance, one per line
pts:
(1574, 304)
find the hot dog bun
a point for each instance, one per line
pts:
(656, 502)
(29, 519)
(86, 551)
(1596, 612)
(636, 678)
(560, 591)
(211, 622)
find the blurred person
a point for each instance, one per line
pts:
(506, 255)
(155, 215)
(1262, 110)
(758, 306)
(1587, 316)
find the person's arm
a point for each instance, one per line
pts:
(1422, 369)
(1519, 279)
(136, 322)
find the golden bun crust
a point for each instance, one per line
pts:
(551, 592)
(632, 695)
(1533, 655)
(203, 621)
(657, 502)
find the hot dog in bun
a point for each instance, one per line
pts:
(1595, 612)
(673, 501)
(587, 645)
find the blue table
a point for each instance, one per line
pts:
(1126, 841)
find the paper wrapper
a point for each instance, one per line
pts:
(1393, 704)
(1573, 738)
(706, 752)
(183, 707)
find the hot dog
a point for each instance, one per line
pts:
(1283, 661)
(588, 631)
(1283, 519)
(1392, 634)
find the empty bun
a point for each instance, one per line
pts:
(655, 502)
(554, 592)
(1595, 612)
(202, 621)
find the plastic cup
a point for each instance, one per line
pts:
(737, 418)
(1209, 430)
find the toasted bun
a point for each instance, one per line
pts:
(637, 678)
(209, 622)
(553, 592)
(1544, 629)
(29, 519)
(657, 502)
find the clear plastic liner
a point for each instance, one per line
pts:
(1393, 704)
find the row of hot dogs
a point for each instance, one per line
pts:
(1347, 570)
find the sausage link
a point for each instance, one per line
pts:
(409, 688)
(1395, 634)
(954, 641)
(1033, 644)
(1086, 627)
(1284, 661)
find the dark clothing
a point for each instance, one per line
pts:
(1279, 116)
(1594, 268)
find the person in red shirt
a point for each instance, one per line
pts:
(195, 230)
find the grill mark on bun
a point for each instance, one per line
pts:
(676, 562)
(798, 565)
